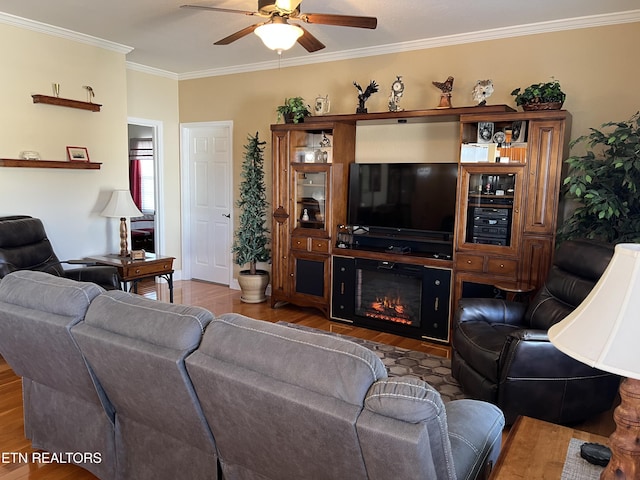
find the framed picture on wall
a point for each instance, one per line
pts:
(77, 154)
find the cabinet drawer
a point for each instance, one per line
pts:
(299, 243)
(501, 266)
(320, 245)
(470, 263)
(146, 269)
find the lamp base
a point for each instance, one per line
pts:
(625, 440)
(124, 235)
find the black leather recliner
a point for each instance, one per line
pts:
(502, 354)
(24, 246)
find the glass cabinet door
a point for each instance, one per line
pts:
(492, 205)
(310, 193)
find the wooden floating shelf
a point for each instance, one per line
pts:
(10, 162)
(409, 115)
(65, 102)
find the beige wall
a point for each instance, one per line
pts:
(601, 85)
(596, 67)
(68, 201)
(155, 98)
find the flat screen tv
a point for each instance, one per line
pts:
(403, 198)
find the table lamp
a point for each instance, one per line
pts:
(604, 332)
(121, 206)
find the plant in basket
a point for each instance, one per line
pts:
(540, 96)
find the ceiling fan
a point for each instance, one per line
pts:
(278, 13)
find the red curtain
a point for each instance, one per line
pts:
(135, 182)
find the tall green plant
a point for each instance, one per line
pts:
(250, 244)
(605, 182)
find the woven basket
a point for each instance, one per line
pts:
(530, 107)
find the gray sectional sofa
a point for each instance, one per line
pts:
(166, 391)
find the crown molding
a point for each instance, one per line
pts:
(631, 16)
(151, 70)
(40, 27)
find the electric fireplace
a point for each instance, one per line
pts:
(405, 299)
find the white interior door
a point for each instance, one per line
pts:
(208, 196)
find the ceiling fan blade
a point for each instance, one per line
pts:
(216, 9)
(339, 20)
(238, 35)
(309, 42)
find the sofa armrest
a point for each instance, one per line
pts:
(105, 276)
(490, 310)
(529, 354)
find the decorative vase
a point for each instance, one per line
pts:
(253, 286)
(530, 107)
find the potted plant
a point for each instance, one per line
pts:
(604, 181)
(293, 110)
(250, 243)
(540, 96)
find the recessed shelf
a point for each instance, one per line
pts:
(10, 162)
(65, 102)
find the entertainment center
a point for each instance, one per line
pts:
(393, 245)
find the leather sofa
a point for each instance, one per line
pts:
(502, 354)
(24, 246)
(259, 400)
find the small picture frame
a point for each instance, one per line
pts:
(485, 132)
(518, 131)
(77, 154)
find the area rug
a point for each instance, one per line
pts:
(434, 370)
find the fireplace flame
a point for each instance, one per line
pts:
(389, 309)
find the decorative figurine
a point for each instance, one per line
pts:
(446, 88)
(90, 92)
(363, 96)
(482, 90)
(397, 88)
(322, 105)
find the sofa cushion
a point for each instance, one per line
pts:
(405, 398)
(315, 359)
(179, 327)
(42, 291)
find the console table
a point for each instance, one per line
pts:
(135, 270)
(537, 449)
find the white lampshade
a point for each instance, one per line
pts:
(121, 206)
(603, 331)
(279, 35)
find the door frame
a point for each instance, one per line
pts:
(185, 159)
(158, 170)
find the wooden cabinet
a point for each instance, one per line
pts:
(310, 175)
(507, 211)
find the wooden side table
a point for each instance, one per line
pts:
(132, 271)
(537, 449)
(515, 291)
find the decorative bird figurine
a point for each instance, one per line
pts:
(90, 92)
(363, 96)
(446, 86)
(445, 97)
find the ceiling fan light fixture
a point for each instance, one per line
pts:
(279, 36)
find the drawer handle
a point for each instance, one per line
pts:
(502, 265)
(469, 262)
(137, 270)
(320, 245)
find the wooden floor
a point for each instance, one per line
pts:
(218, 299)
